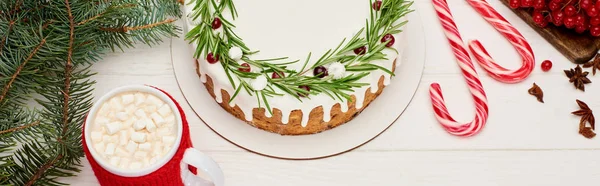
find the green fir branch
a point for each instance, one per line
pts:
(47, 48)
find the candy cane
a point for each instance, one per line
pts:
(513, 35)
(470, 74)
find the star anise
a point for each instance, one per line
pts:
(578, 77)
(594, 63)
(586, 116)
(537, 92)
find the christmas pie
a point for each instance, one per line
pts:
(296, 67)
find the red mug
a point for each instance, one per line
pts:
(177, 167)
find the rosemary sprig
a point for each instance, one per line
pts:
(379, 24)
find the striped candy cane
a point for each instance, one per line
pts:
(470, 74)
(513, 35)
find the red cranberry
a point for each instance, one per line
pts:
(276, 75)
(570, 10)
(526, 3)
(539, 19)
(592, 11)
(360, 50)
(320, 71)
(570, 22)
(216, 24)
(212, 59)
(595, 30)
(388, 37)
(580, 19)
(245, 68)
(377, 5)
(307, 88)
(594, 21)
(546, 65)
(515, 4)
(554, 6)
(558, 17)
(585, 4)
(539, 4)
(580, 29)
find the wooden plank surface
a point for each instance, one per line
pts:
(579, 48)
(523, 143)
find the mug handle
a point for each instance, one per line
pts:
(203, 163)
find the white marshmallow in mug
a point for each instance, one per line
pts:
(139, 124)
(127, 99)
(159, 120)
(131, 146)
(138, 137)
(165, 110)
(139, 99)
(113, 127)
(125, 137)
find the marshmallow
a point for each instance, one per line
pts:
(113, 127)
(106, 138)
(131, 146)
(135, 165)
(130, 109)
(165, 110)
(159, 120)
(157, 150)
(153, 160)
(153, 100)
(140, 137)
(114, 161)
(114, 138)
(124, 163)
(96, 136)
(150, 137)
(123, 137)
(235, 53)
(111, 114)
(101, 121)
(170, 120)
(110, 149)
(168, 140)
(139, 99)
(127, 99)
(150, 126)
(146, 162)
(145, 146)
(121, 152)
(150, 108)
(129, 122)
(122, 116)
(166, 149)
(115, 104)
(99, 147)
(139, 124)
(104, 109)
(163, 132)
(140, 154)
(140, 113)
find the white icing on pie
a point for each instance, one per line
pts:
(294, 29)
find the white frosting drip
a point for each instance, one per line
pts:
(331, 32)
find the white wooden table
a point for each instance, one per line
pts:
(524, 143)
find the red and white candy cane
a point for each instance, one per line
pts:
(470, 74)
(513, 35)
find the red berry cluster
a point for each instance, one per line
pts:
(580, 15)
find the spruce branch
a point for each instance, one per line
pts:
(19, 69)
(11, 130)
(127, 29)
(48, 51)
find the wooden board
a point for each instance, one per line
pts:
(579, 48)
